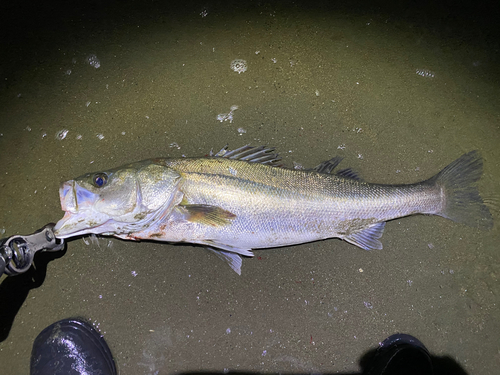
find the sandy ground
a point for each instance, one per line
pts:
(399, 93)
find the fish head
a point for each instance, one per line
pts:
(118, 201)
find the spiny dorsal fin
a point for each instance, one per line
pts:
(261, 154)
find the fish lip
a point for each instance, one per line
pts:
(69, 205)
(67, 196)
(76, 202)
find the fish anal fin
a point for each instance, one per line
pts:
(209, 215)
(368, 238)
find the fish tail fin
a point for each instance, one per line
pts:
(462, 202)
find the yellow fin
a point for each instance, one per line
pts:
(209, 215)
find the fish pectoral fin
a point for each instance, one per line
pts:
(208, 215)
(232, 259)
(368, 238)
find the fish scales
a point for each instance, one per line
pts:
(267, 189)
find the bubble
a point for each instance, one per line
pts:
(93, 61)
(61, 134)
(239, 66)
(297, 166)
(227, 116)
(426, 73)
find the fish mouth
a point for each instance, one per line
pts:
(79, 217)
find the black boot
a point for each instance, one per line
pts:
(401, 354)
(71, 347)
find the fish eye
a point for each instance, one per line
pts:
(100, 179)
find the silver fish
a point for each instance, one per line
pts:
(236, 201)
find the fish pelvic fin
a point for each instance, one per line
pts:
(462, 202)
(233, 260)
(368, 238)
(227, 253)
(225, 247)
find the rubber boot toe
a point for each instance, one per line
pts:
(71, 347)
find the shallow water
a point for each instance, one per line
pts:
(399, 94)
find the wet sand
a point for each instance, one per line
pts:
(399, 93)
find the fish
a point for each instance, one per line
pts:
(235, 201)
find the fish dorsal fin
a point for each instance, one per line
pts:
(260, 154)
(328, 165)
(208, 215)
(349, 173)
(368, 238)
